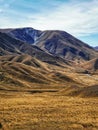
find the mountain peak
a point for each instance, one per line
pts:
(55, 42)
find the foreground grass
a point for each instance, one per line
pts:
(47, 111)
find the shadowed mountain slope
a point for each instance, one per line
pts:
(9, 45)
(28, 35)
(58, 43)
(65, 45)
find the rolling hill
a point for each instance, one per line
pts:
(91, 65)
(91, 91)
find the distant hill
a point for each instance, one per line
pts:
(96, 48)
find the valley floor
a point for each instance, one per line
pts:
(47, 111)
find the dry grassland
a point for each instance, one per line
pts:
(47, 111)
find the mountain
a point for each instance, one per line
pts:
(96, 48)
(55, 60)
(56, 43)
(28, 35)
(10, 45)
(62, 44)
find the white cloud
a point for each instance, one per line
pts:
(78, 18)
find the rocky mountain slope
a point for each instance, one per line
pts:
(56, 43)
(62, 44)
(9, 45)
(28, 35)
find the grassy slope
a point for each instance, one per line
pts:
(91, 65)
(39, 96)
(22, 72)
(26, 72)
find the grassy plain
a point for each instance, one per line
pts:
(47, 111)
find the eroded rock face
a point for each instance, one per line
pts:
(56, 43)
(65, 45)
(9, 45)
(28, 34)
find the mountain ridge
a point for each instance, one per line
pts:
(54, 42)
(11, 46)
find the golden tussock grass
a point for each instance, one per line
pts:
(46, 97)
(47, 111)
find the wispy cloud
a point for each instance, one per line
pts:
(78, 17)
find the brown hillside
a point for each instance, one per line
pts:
(91, 65)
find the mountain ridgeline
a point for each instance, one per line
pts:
(55, 43)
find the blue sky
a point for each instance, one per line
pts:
(78, 17)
